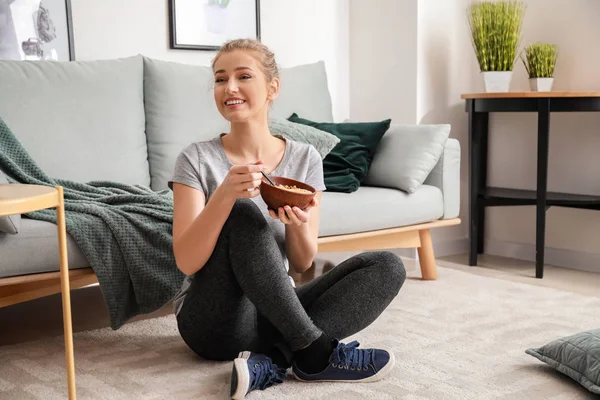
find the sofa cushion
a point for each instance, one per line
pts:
(9, 223)
(35, 250)
(305, 91)
(375, 208)
(346, 166)
(323, 141)
(80, 121)
(406, 155)
(180, 107)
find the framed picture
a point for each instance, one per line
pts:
(206, 24)
(36, 30)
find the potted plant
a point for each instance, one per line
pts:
(540, 61)
(496, 34)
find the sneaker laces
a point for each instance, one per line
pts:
(349, 356)
(266, 374)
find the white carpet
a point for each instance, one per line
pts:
(460, 337)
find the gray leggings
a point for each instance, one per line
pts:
(243, 300)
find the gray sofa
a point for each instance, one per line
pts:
(127, 119)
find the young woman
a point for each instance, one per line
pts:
(238, 302)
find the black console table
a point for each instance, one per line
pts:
(478, 107)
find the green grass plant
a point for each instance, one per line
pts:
(540, 60)
(496, 32)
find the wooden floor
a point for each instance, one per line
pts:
(42, 318)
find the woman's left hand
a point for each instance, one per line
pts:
(294, 215)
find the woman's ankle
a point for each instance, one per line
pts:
(315, 357)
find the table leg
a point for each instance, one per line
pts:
(473, 184)
(66, 293)
(542, 184)
(478, 132)
(482, 128)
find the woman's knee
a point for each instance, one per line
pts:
(391, 267)
(247, 214)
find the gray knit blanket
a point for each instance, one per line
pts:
(125, 231)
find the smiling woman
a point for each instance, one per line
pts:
(238, 302)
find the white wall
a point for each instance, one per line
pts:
(121, 28)
(383, 50)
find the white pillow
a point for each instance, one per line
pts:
(406, 155)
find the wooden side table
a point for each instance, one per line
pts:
(21, 199)
(479, 106)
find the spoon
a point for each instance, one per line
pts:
(269, 179)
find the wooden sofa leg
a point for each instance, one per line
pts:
(426, 256)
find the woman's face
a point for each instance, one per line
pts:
(241, 91)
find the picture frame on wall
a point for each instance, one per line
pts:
(36, 30)
(206, 24)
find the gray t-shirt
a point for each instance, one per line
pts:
(204, 165)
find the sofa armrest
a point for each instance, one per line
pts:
(446, 176)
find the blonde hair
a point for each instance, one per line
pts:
(265, 56)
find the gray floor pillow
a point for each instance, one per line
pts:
(577, 356)
(12, 223)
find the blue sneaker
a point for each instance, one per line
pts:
(348, 363)
(253, 371)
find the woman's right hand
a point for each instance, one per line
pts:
(242, 181)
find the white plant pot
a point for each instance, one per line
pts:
(497, 81)
(541, 84)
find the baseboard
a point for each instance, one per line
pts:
(451, 247)
(573, 259)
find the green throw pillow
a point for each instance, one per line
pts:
(577, 356)
(347, 164)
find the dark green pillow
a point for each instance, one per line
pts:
(347, 164)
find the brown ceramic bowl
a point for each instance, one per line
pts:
(276, 197)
